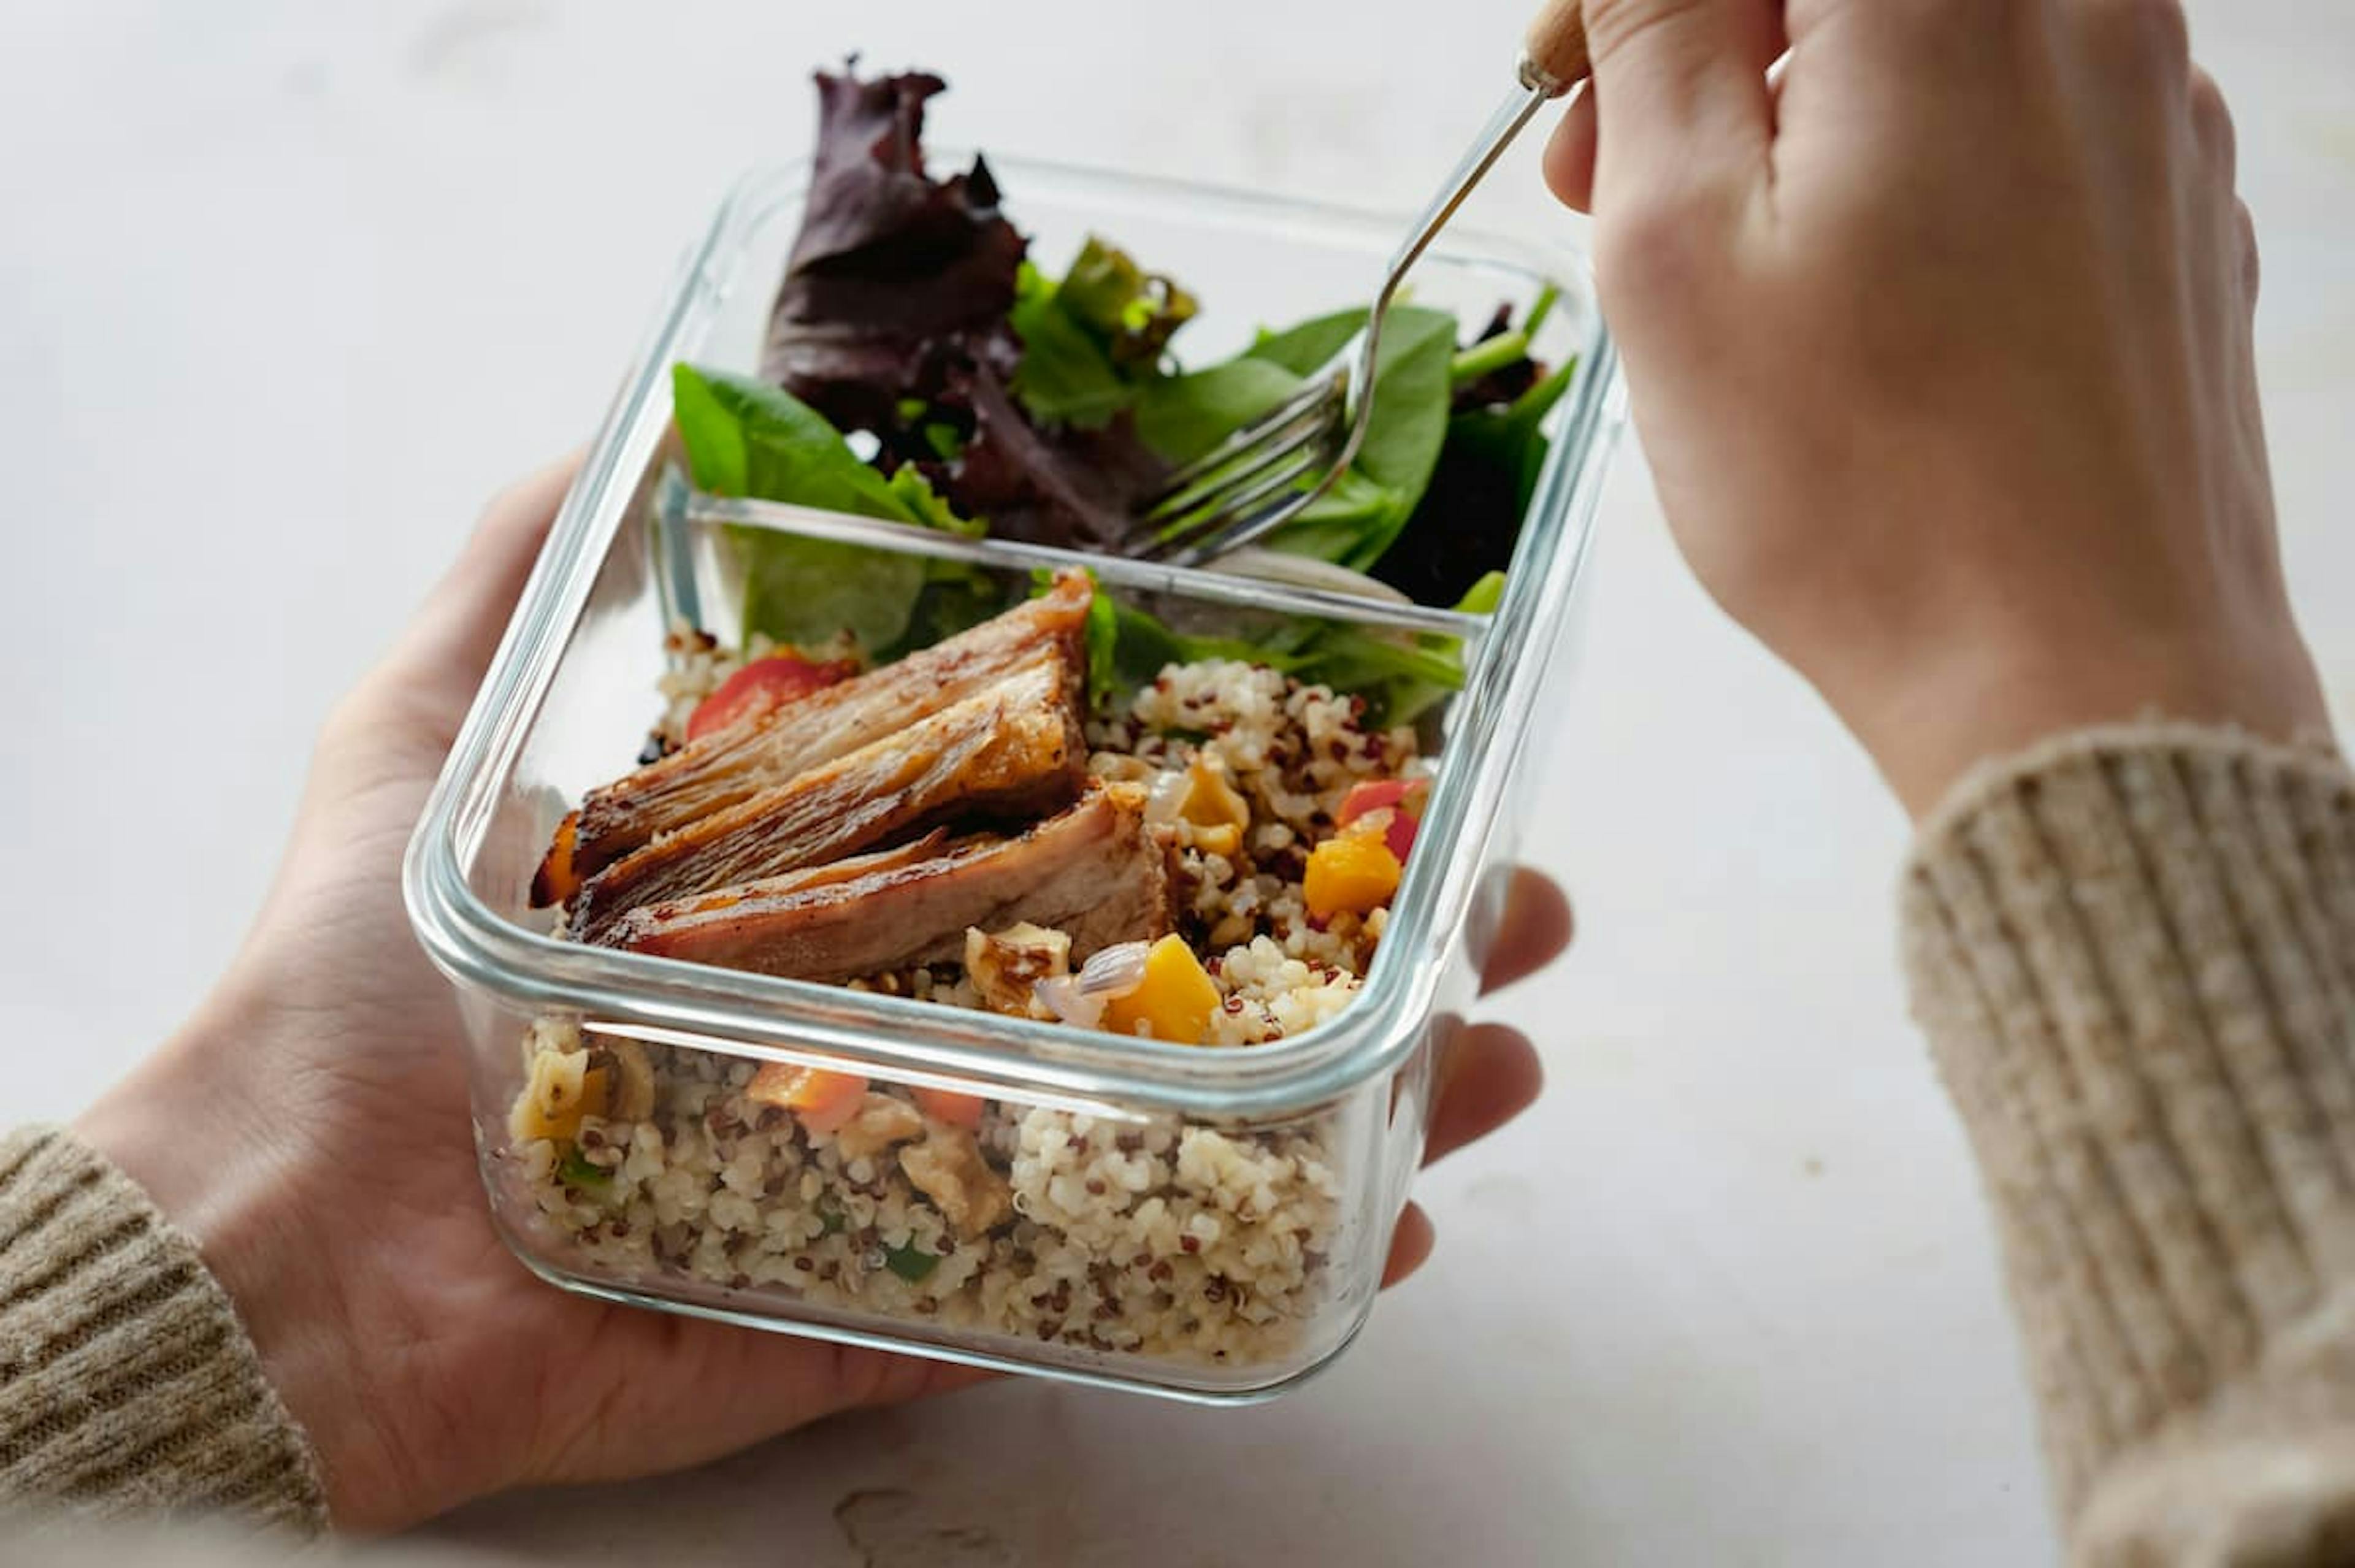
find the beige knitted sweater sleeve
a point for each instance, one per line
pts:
(2133, 952)
(127, 1384)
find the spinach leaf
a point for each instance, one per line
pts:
(1126, 647)
(1355, 522)
(1401, 676)
(747, 438)
(804, 592)
(1508, 437)
(1302, 349)
(1411, 386)
(1470, 518)
(1182, 417)
(1348, 524)
(1103, 649)
(955, 598)
(1483, 596)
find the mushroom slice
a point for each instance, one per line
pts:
(948, 1168)
(629, 1077)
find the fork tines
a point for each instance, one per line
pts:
(1249, 483)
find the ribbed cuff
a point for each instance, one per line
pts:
(126, 1381)
(2133, 952)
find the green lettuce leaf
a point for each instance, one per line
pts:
(1089, 342)
(1065, 376)
(1401, 676)
(749, 438)
(1131, 312)
(1349, 524)
(1508, 437)
(1470, 518)
(1483, 596)
(1126, 647)
(925, 505)
(1411, 386)
(1182, 417)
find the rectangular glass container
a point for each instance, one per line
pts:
(1208, 1224)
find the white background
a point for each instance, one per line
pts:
(287, 287)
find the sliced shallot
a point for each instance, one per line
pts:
(1113, 971)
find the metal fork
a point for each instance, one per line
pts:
(1251, 483)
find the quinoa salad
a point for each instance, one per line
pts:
(1214, 871)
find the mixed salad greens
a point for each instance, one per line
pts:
(986, 397)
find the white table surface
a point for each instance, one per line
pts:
(287, 287)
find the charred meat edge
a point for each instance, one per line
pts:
(770, 744)
(1097, 871)
(1011, 752)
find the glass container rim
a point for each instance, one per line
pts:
(765, 1015)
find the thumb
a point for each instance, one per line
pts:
(451, 639)
(1681, 107)
(405, 712)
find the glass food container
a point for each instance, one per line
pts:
(1204, 1224)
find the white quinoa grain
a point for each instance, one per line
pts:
(1158, 1238)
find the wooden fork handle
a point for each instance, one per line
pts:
(1553, 56)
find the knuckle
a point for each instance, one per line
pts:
(385, 714)
(1651, 243)
(347, 720)
(1612, 26)
(2244, 224)
(2007, 18)
(2212, 117)
(2155, 34)
(1621, 27)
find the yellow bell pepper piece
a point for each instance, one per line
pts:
(1224, 840)
(1210, 800)
(1354, 874)
(563, 1089)
(1173, 1002)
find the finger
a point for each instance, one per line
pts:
(722, 1389)
(1489, 1075)
(1532, 933)
(2142, 46)
(2212, 128)
(1411, 1244)
(451, 641)
(2244, 227)
(1570, 153)
(1680, 95)
(869, 1379)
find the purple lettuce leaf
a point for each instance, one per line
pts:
(894, 276)
(893, 318)
(1061, 485)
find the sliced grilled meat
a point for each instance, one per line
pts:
(769, 746)
(1010, 750)
(1096, 871)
